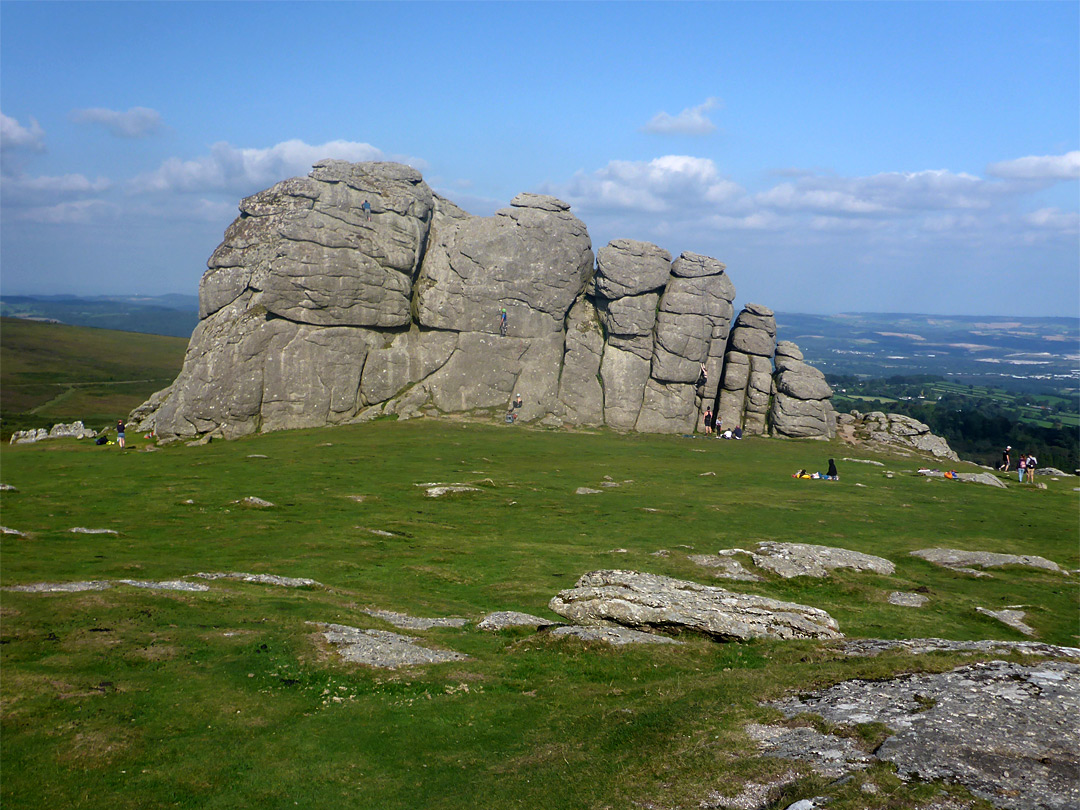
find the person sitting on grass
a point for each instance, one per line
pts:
(832, 474)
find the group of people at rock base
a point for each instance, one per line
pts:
(1026, 463)
(713, 425)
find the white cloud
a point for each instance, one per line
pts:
(1042, 168)
(668, 183)
(56, 185)
(138, 122)
(691, 121)
(886, 193)
(14, 135)
(243, 171)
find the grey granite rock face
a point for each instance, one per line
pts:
(647, 601)
(626, 267)
(316, 311)
(581, 396)
(897, 430)
(532, 259)
(747, 386)
(801, 406)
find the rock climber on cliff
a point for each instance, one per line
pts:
(502, 321)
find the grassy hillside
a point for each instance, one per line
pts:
(131, 698)
(54, 373)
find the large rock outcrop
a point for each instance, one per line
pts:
(648, 601)
(315, 310)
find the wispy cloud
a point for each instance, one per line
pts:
(1044, 168)
(246, 170)
(14, 135)
(691, 121)
(138, 122)
(79, 212)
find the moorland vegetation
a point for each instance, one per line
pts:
(133, 698)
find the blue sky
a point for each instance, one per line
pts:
(876, 156)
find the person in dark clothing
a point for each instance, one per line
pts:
(832, 474)
(1005, 460)
(708, 420)
(120, 433)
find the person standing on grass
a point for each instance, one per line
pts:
(1004, 467)
(1021, 466)
(708, 420)
(120, 433)
(1032, 463)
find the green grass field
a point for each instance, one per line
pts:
(131, 698)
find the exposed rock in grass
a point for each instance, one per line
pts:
(587, 491)
(725, 567)
(907, 599)
(1013, 618)
(864, 461)
(500, 620)
(254, 503)
(8, 488)
(257, 455)
(918, 646)
(383, 649)
(414, 622)
(960, 559)
(1005, 731)
(613, 635)
(16, 532)
(438, 492)
(264, 579)
(82, 530)
(829, 755)
(62, 587)
(166, 585)
(74, 430)
(637, 600)
(808, 560)
(982, 478)
(753, 796)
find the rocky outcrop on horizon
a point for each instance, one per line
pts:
(317, 311)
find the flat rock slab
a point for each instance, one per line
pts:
(500, 620)
(637, 600)
(255, 503)
(587, 491)
(920, 646)
(414, 622)
(959, 559)
(808, 560)
(265, 579)
(62, 587)
(383, 649)
(83, 530)
(613, 635)
(1006, 732)
(905, 599)
(438, 492)
(165, 585)
(16, 532)
(1013, 618)
(983, 478)
(828, 755)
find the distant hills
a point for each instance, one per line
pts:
(173, 315)
(1024, 354)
